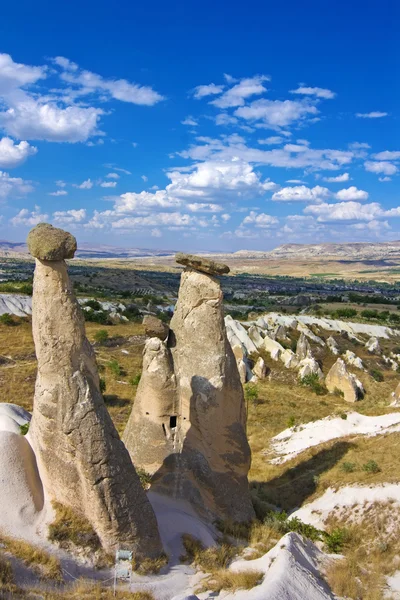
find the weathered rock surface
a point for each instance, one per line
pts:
(274, 348)
(309, 366)
(200, 263)
(149, 435)
(332, 345)
(210, 455)
(49, 243)
(82, 461)
(260, 368)
(354, 360)
(237, 335)
(303, 348)
(154, 327)
(254, 334)
(339, 378)
(373, 346)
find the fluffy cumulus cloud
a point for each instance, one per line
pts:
(59, 193)
(337, 178)
(108, 184)
(261, 220)
(276, 113)
(301, 193)
(69, 217)
(352, 193)
(201, 91)
(13, 154)
(236, 95)
(314, 91)
(350, 211)
(191, 121)
(85, 185)
(388, 155)
(29, 218)
(384, 167)
(13, 186)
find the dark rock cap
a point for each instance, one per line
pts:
(49, 243)
(205, 265)
(154, 327)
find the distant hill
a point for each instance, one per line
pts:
(348, 251)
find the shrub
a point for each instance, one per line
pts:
(96, 316)
(337, 392)
(251, 392)
(103, 385)
(115, 368)
(346, 312)
(101, 336)
(348, 467)
(376, 374)
(312, 381)
(291, 421)
(134, 381)
(371, 467)
(150, 566)
(24, 428)
(343, 416)
(7, 319)
(68, 526)
(93, 304)
(336, 539)
(369, 314)
(145, 478)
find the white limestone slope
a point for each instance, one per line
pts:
(15, 304)
(294, 440)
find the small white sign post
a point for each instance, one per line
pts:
(123, 567)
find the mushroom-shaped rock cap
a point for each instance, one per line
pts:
(201, 264)
(49, 243)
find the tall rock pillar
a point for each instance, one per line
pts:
(207, 455)
(82, 461)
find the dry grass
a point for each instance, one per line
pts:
(231, 581)
(150, 566)
(41, 562)
(6, 573)
(210, 559)
(70, 528)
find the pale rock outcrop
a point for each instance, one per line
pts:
(274, 348)
(395, 396)
(154, 327)
(82, 461)
(200, 263)
(237, 334)
(260, 368)
(280, 333)
(303, 348)
(116, 318)
(309, 366)
(289, 359)
(242, 363)
(242, 370)
(340, 379)
(307, 331)
(210, 459)
(254, 334)
(354, 360)
(373, 346)
(149, 434)
(332, 345)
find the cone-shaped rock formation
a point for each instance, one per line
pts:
(82, 461)
(200, 445)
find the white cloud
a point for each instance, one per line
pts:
(156, 233)
(31, 119)
(12, 154)
(59, 193)
(65, 63)
(388, 155)
(144, 177)
(114, 168)
(273, 140)
(108, 184)
(207, 90)
(350, 211)
(299, 181)
(27, 218)
(384, 167)
(314, 91)
(171, 220)
(14, 75)
(338, 178)
(259, 220)
(359, 146)
(85, 185)
(119, 89)
(225, 119)
(69, 216)
(190, 121)
(60, 183)
(203, 207)
(236, 95)
(276, 113)
(352, 193)
(225, 217)
(384, 178)
(301, 193)
(13, 186)
(372, 115)
(112, 176)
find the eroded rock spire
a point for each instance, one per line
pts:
(82, 461)
(202, 451)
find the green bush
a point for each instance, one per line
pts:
(24, 428)
(343, 416)
(96, 316)
(348, 467)
(93, 304)
(251, 392)
(346, 312)
(115, 368)
(103, 385)
(145, 478)
(376, 374)
(312, 381)
(336, 539)
(7, 319)
(371, 467)
(101, 336)
(134, 381)
(291, 421)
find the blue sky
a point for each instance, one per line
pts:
(198, 126)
